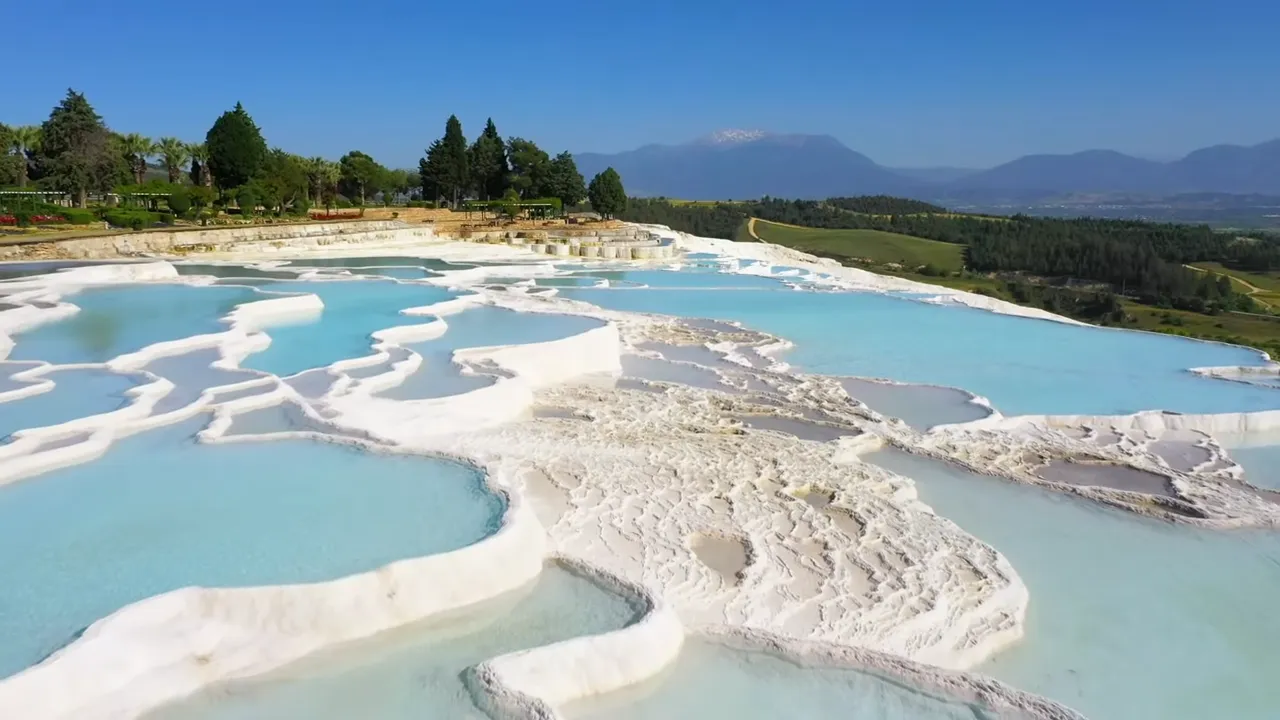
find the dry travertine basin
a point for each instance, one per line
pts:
(1118, 477)
(727, 556)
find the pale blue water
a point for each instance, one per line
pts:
(123, 319)
(1261, 464)
(353, 311)
(399, 273)
(232, 271)
(75, 394)
(713, 682)
(379, 261)
(12, 270)
(417, 672)
(192, 373)
(690, 278)
(920, 406)
(1023, 366)
(479, 327)
(1129, 617)
(160, 512)
(569, 281)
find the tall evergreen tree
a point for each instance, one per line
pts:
(9, 174)
(564, 181)
(454, 146)
(607, 194)
(529, 166)
(76, 150)
(489, 164)
(434, 171)
(236, 148)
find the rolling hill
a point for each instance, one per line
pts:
(747, 165)
(752, 164)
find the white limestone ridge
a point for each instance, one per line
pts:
(734, 137)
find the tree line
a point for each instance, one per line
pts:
(74, 152)
(512, 170)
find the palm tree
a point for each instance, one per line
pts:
(26, 140)
(175, 155)
(323, 175)
(137, 148)
(200, 164)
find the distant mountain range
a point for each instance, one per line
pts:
(742, 164)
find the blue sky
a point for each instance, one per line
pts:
(911, 83)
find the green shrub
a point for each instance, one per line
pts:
(300, 207)
(23, 217)
(180, 201)
(247, 199)
(166, 218)
(130, 217)
(76, 216)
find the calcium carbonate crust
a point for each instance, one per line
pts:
(870, 569)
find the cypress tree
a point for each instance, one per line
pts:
(76, 151)
(454, 147)
(488, 164)
(564, 181)
(236, 149)
(607, 194)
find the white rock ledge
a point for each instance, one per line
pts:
(167, 647)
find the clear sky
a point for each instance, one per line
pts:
(909, 83)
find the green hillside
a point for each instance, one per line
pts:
(873, 246)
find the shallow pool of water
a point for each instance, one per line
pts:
(712, 682)
(126, 318)
(380, 261)
(481, 326)
(12, 270)
(233, 271)
(1261, 464)
(417, 672)
(1023, 366)
(691, 278)
(75, 394)
(1129, 617)
(353, 311)
(192, 373)
(920, 406)
(160, 512)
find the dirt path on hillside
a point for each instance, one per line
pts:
(1253, 289)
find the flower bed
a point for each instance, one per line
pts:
(34, 219)
(337, 215)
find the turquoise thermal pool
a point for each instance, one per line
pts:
(710, 680)
(75, 394)
(481, 326)
(1025, 367)
(160, 511)
(1129, 617)
(419, 672)
(116, 320)
(353, 311)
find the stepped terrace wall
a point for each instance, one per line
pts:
(195, 240)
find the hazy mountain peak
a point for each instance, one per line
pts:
(734, 136)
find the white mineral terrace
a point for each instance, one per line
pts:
(724, 525)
